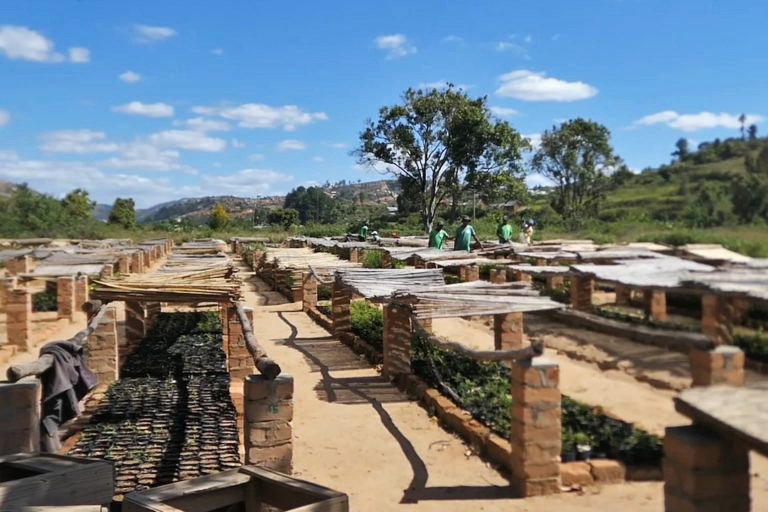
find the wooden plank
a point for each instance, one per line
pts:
(197, 495)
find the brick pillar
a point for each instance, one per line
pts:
(623, 295)
(268, 435)
(397, 340)
(135, 327)
(137, 262)
(19, 266)
(469, 273)
(340, 313)
(153, 310)
(386, 260)
(498, 275)
(20, 429)
(581, 293)
(420, 263)
(310, 291)
(239, 359)
(535, 427)
(65, 297)
(107, 271)
(7, 284)
(703, 471)
(124, 264)
(101, 348)
(355, 255)
(723, 365)
(655, 302)
(508, 331)
(81, 291)
(19, 318)
(555, 282)
(297, 288)
(714, 320)
(518, 276)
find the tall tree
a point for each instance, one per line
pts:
(77, 206)
(123, 213)
(313, 205)
(682, 152)
(435, 138)
(752, 132)
(750, 192)
(219, 217)
(577, 156)
(285, 217)
(742, 121)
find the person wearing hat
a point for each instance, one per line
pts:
(375, 237)
(363, 232)
(504, 231)
(438, 236)
(464, 236)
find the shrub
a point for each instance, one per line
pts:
(44, 301)
(368, 323)
(373, 259)
(755, 345)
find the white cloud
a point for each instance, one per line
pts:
(151, 34)
(237, 144)
(138, 108)
(204, 125)
(453, 39)
(318, 159)
(247, 182)
(5, 117)
(77, 141)
(516, 46)
(145, 156)
(534, 139)
(79, 55)
(22, 43)
(130, 77)
(188, 139)
(291, 145)
(695, 122)
(441, 85)
(534, 86)
(259, 115)
(503, 111)
(216, 51)
(396, 45)
(256, 157)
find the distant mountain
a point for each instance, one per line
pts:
(102, 211)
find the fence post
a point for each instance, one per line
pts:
(267, 429)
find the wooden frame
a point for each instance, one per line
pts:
(250, 485)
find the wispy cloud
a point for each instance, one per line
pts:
(216, 51)
(503, 111)
(188, 139)
(535, 86)
(396, 45)
(137, 108)
(698, 121)
(129, 77)
(291, 145)
(148, 34)
(22, 43)
(453, 39)
(516, 45)
(77, 141)
(5, 117)
(259, 115)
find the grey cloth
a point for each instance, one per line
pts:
(65, 383)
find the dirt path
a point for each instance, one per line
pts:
(357, 433)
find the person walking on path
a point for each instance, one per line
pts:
(363, 232)
(438, 236)
(464, 236)
(504, 231)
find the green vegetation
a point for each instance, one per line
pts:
(368, 323)
(219, 218)
(44, 301)
(313, 205)
(373, 259)
(754, 345)
(123, 213)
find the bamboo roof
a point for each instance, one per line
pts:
(304, 258)
(469, 261)
(374, 283)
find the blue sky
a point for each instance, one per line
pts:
(161, 100)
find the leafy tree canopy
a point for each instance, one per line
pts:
(219, 218)
(123, 213)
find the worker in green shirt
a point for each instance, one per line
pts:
(438, 237)
(464, 236)
(504, 231)
(363, 232)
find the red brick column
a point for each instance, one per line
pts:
(469, 273)
(20, 431)
(714, 319)
(498, 275)
(65, 297)
(535, 428)
(309, 296)
(519, 276)
(240, 361)
(356, 255)
(153, 311)
(107, 271)
(268, 434)
(7, 284)
(581, 293)
(340, 308)
(397, 340)
(137, 262)
(135, 327)
(124, 264)
(738, 309)
(655, 302)
(723, 365)
(508, 331)
(101, 348)
(297, 288)
(555, 282)
(81, 291)
(623, 295)
(703, 471)
(19, 318)
(386, 260)
(19, 266)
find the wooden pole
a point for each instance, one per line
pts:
(266, 366)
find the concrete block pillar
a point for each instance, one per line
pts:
(535, 427)
(508, 331)
(101, 348)
(239, 360)
(469, 273)
(655, 302)
(19, 318)
(65, 297)
(135, 327)
(581, 293)
(309, 296)
(137, 262)
(714, 319)
(81, 291)
(20, 428)
(623, 295)
(268, 435)
(555, 282)
(107, 271)
(703, 471)
(340, 308)
(19, 266)
(397, 340)
(723, 365)
(498, 275)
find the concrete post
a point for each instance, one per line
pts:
(310, 291)
(397, 340)
(655, 302)
(535, 427)
(268, 435)
(20, 428)
(581, 293)
(498, 275)
(723, 365)
(703, 471)
(65, 297)
(101, 348)
(81, 291)
(340, 308)
(508, 331)
(19, 318)
(623, 295)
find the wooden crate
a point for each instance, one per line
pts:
(30, 480)
(248, 485)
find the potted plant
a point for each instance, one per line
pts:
(583, 446)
